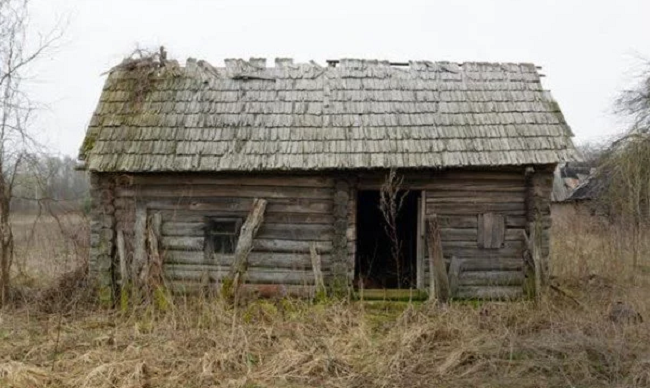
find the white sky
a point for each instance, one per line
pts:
(589, 50)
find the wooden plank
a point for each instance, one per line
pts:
(183, 243)
(492, 278)
(438, 270)
(270, 218)
(499, 264)
(253, 275)
(455, 234)
(152, 273)
(455, 270)
(121, 254)
(475, 197)
(139, 247)
(319, 282)
(470, 208)
(308, 232)
(245, 242)
(255, 259)
(291, 246)
(491, 230)
(241, 205)
(297, 232)
(489, 293)
(420, 242)
(197, 191)
(235, 180)
(257, 290)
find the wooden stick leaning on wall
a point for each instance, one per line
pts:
(534, 247)
(244, 246)
(439, 281)
(319, 290)
(154, 271)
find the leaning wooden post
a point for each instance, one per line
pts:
(438, 272)
(244, 246)
(318, 273)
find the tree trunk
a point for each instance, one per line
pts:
(6, 241)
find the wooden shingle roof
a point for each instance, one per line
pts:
(357, 114)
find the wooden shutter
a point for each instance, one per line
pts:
(491, 230)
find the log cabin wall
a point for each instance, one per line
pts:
(462, 199)
(322, 210)
(102, 234)
(301, 210)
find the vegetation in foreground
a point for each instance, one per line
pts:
(56, 338)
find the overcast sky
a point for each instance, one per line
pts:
(588, 50)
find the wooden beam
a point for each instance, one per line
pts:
(438, 273)
(245, 242)
(139, 243)
(318, 273)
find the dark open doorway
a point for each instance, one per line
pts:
(376, 266)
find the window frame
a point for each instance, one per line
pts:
(209, 234)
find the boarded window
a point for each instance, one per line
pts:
(491, 230)
(221, 235)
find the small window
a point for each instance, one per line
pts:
(221, 235)
(491, 230)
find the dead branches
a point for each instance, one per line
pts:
(391, 199)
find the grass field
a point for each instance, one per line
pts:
(55, 338)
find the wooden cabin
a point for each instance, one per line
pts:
(192, 146)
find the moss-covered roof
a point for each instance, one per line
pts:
(358, 114)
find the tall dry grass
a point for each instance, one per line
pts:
(199, 342)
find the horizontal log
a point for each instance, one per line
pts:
(253, 275)
(296, 232)
(240, 205)
(233, 180)
(491, 278)
(291, 246)
(247, 290)
(195, 191)
(471, 234)
(255, 259)
(182, 243)
(478, 198)
(514, 244)
(269, 218)
(489, 293)
(482, 254)
(496, 264)
(469, 208)
(474, 194)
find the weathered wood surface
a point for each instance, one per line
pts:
(255, 259)
(317, 268)
(153, 274)
(455, 270)
(253, 274)
(121, 256)
(492, 230)
(139, 244)
(245, 242)
(439, 280)
(491, 278)
(490, 293)
(300, 211)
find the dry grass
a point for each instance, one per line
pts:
(200, 342)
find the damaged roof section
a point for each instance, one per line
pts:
(350, 114)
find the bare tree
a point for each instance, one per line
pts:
(390, 202)
(16, 111)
